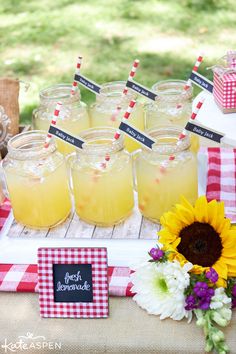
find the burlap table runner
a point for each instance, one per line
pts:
(128, 330)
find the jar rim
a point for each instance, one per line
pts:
(30, 145)
(113, 89)
(166, 138)
(58, 92)
(172, 88)
(105, 140)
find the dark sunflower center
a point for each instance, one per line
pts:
(200, 244)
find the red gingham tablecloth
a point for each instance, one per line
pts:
(221, 178)
(24, 277)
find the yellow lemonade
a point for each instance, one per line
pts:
(37, 181)
(39, 202)
(104, 119)
(73, 114)
(72, 125)
(173, 107)
(103, 195)
(102, 111)
(161, 182)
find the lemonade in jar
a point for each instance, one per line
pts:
(37, 181)
(102, 111)
(172, 107)
(73, 114)
(160, 181)
(103, 190)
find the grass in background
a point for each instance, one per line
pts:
(40, 40)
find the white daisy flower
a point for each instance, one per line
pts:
(159, 289)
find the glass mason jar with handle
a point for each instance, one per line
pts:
(172, 107)
(73, 115)
(103, 195)
(37, 181)
(160, 181)
(102, 111)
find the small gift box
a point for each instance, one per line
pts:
(225, 84)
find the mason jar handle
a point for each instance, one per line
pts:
(134, 155)
(68, 165)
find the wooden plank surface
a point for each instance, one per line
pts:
(134, 227)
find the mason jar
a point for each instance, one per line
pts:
(73, 115)
(37, 181)
(172, 107)
(102, 111)
(103, 190)
(161, 180)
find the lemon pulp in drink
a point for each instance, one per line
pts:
(103, 118)
(40, 199)
(161, 182)
(103, 196)
(72, 125)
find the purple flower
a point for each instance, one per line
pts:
(200, 289)
(234, 290)
(233, 303)
(212, 275)
(156, 254)
(190, 303)
(204, 304)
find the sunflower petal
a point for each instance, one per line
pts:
(200, 210)
(221, 268)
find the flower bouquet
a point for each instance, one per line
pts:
(192, 270)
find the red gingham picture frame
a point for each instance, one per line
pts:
(97, 257)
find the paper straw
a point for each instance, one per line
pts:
(193, 116)
(125, 91)
(118, 132)
(195, 68)
(53, 122)
(125, 116)
(75, 83)
(165, 163)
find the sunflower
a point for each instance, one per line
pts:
(201, 235)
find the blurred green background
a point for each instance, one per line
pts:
(40, 40)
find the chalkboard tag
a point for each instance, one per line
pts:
(66, 137)
(87, 83)
(141, 90)
(73, 282)
(201, 81)
(203, 132)
(136, 135)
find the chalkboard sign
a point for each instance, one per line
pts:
(72, 283)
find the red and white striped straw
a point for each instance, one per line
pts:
(53, 122)
(195, 68)
(118, 132)
(75, 83)
(125, 91)
(131, 74)
(184, 132)
(125, 116)
(193, 116)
